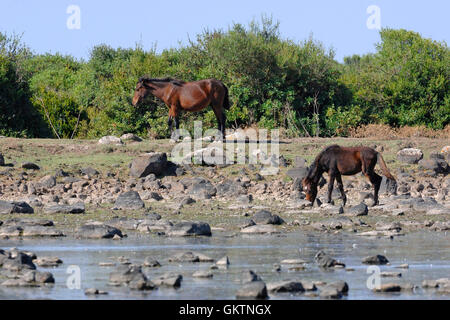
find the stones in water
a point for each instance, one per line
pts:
(223, 261)
(250, 276)
(187, 228)
(388, 287)
(48, 262)
(266, 217)
(97, 230)
(375, 260)
(94, 292)
(15, 207)
(203, 274)
(169, 280)
(130, 200)
(260, 229)
(410, 155)
(291, 286)
(152, 163)
(323, 260)
(190, 257)
(255, 290)
(131, 276)
(76, 208)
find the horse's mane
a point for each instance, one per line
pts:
(167, 80)
(313, 168)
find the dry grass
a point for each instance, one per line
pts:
(382, 131)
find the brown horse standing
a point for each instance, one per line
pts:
(338, 161)
(188, 96)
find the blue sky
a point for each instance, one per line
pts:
(338, 24)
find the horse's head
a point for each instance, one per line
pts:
(141, 92)
(310, 189)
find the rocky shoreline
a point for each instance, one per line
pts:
(158, 198)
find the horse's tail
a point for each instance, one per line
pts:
(226, 101)
(384, 167)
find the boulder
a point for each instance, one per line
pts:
(201, 189)
(252, 290)
(291, 286)
(410, 155)
(260, 229)
(30, 166)
(358, 210)
(169, 280)
(325, 261)
(250, 276)
(266, 217)
(131, 276)
(41, 231)
(97, 231)
(129, 201)
(152, 163)
(436, 165)
(184, 229)
(375, 260)
(76, 208)
(48, 182)
(15, 207)
(130, 137)
(110, 140)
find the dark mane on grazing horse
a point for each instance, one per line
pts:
(168, 80)
(314, 166)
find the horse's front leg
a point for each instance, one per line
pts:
(331, 184)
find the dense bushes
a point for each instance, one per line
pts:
(273, 83)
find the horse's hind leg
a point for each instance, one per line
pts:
(341, 188)
(221, 119)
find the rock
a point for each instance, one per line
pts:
(151, 263)
(410, 155)
(90, 172)
(260, 229)
(76, 208)
(201, 189)
(297, 173)
(17, 261)
(10, 231)
(230, 188)
(152, 163)
(2, 160)
(184, 229)
(94, 292)
(340, 286)
(252, 290)
(130, 137)
(223, 261)
(325, 261)
(110, 140)
(48, 182)
(387, 274)
(132, 277)
(293, 261)
(388, 186)
(332, 209)
(330, 293)
(436, 165)
(41, 231)
(291, 286)
(48, 262)
(203, 275)
(389, 287)
(250, 276)
(169, 280)
(15, 207)
(375, 260)
(191, 257)
(97, 231)
(266, 217)
(129, 201)
(358, 210)
(30, 166)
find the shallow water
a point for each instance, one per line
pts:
(428, 255)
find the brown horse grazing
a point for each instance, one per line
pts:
(338, 161)
(188, 96)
